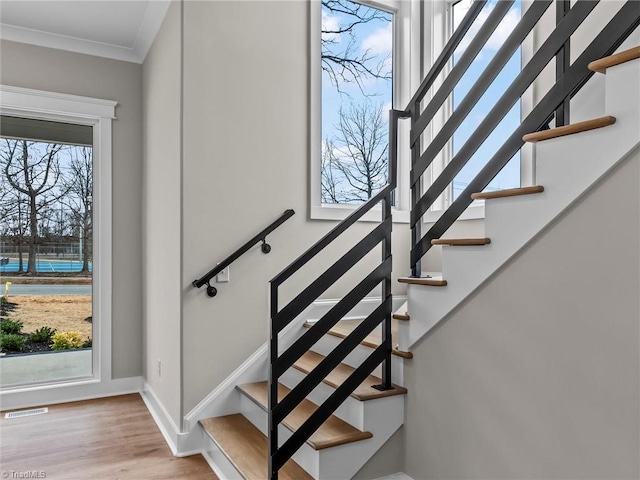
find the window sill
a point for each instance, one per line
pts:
(340, 212)
(473, 212)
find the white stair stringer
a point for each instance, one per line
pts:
(567, 167)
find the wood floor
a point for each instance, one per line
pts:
(111, 438)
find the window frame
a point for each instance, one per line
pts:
(99, 114)
(406, 27)
(441, 31)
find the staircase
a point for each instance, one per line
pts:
(320, 402)
(583, 152)
(237, 443)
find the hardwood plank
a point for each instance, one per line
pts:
(108, 438)
(511, 192)
(602, 64)
(344, 327)
(331, 433)
(431, 282)
(364, 392)
(461, 241)
(569, 129)
(246, 448)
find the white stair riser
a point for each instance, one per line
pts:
(306, 457)
(383, 417)
(328, 343)
(351, 411)
(589, 103)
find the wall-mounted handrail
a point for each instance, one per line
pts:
(555, 103)
(260, 237)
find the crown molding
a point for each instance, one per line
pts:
(149, 27)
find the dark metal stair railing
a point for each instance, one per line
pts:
(555, 103)
(281, 317)
(570, 80)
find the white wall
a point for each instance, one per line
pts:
(42, 68)
(162, 193)
(537, 375)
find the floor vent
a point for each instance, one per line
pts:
(26, 413)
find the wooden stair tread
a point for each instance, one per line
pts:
(246, 448)
(569, 129)
(402, 313)
(602, 64)
(333, 432)
(364, 392)
(511, 192)
(460, 241)
(431, 282)
(344, 327)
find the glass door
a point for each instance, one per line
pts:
(46, 251)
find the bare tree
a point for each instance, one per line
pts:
(14, 221)
(342, 58)
(330, 181)
(33, 172)
(356, 165)
(78, 182)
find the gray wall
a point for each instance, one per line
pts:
(72, 73)
(246, 160)
(537, 375)
(162, 190)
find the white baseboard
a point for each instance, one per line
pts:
(40, 395)
(181, 444)
(170, 431)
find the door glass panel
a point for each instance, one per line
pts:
(46, 251)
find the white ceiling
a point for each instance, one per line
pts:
(119, 29)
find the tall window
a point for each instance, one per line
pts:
(509, 177)
(46, 245)
(357, 44)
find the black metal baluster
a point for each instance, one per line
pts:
(273, 384)
(563, 62)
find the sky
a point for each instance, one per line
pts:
(377, 38)
(509, 177)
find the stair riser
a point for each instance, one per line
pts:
(306, 457)
(623, 94)
(384, 416)
(328, 343)
(351, 411)
(589, 103)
